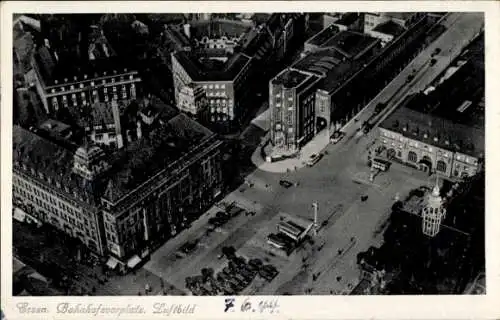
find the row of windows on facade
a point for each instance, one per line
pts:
(50, 208)
(221, 102)
(32, 186)
(92, 83)
(95, 95)
(216, 94)
(214, 86)
(51, 200)
(425, 146)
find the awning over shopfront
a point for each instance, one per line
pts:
(132, 262)
(112, 262)
(19, 215)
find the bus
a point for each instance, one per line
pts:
(381, 164)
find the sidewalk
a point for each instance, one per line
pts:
(315, 146)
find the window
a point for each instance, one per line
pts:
(441, 166)
(412, 156)
(55, 103)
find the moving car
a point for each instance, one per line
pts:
(337, 136)
(313, 159)
(436, 51)
(285, 183)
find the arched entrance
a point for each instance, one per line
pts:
(391, 153)
(321, 124)
(425, 164)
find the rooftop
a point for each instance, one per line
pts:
(323, 36)
(389, 27)
(342, 55)
(399, 15)
(218, 28)
(201, 68)
(435, 130)
(44, 156)
(350, 44)
(171, 136)
(348, 18)
(55, 126)
(144, 158)
(53, 70)
(290, 78)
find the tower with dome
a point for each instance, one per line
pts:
(433, 212)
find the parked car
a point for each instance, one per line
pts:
(436, 51)
(337, 136)
(433, 61)
(286, 184)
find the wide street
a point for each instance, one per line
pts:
(336, 183)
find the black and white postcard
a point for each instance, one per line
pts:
(249, 159)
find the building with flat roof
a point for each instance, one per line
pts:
(222, 61)
(291, 103)
(121, 203)
(404, 19)
(442, 131)
(343, 62)
(386, 31)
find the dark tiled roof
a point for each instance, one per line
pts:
(399, 15)
(350, 43)
(202, 71)
(52, 160)
(324, 35)
(144, 158)
(290, 78)
(337, 61)
(450, 136)
(348, 18)
(218, 28)
(390, 27)
(52, 70)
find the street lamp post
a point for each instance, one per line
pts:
(315, 224)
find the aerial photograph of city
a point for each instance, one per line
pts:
(227, 154)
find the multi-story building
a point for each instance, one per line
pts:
(404, 19)
(224, 83)
(226, 76)
(330, 18)
(442, 131)
(431, 144)
(291, 101)
(386, 31)
(217, 33)
(61, 85)
(45, 185)
(120, 204)
(349, 21)
(347, 61)
(193, 100)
